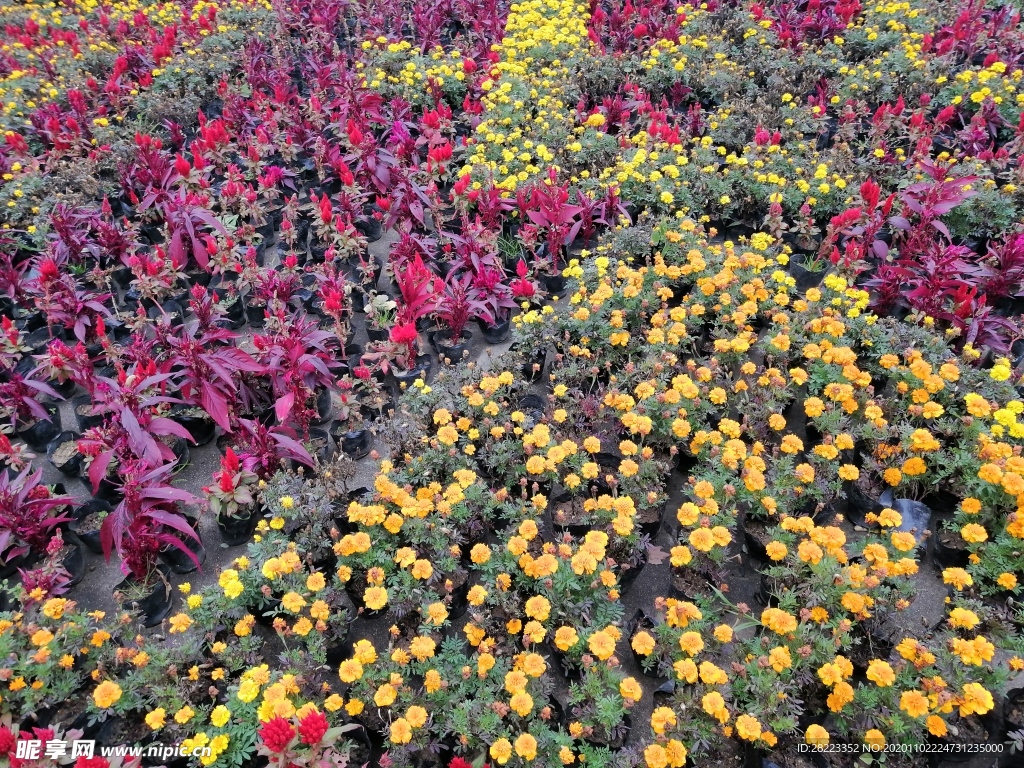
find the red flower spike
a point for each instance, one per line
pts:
(181, 165)
(404, 334)
(277, 734)
(313, 727)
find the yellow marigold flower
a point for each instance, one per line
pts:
(422, 648)
(748, 728)
(643, 643)
(106, 694)
(350, 671)
(54, 607)
(957, 577)
(501, 751)
(416, 715)
(914, 466)
(780, 659)
(375, 598)
(401, 731)
(691, 643)
(293, 602)
(655, 756)
(566, 638)
(880, 673)
(629, 688)
(914, 703)
(816, 735)
(936, 726)
(973, 533)
(385, 695)
(601, 644)
(220, 716)
(538, 607)
(662, 719)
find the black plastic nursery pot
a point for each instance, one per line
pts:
(198, 277)
(496, 333)
(1013, 710)
(81, 406)
(39, 432)
(122, 277)
(107, 491)
(62, 452)
(323, 446)
(536, 361)
(197, 422)
(353, 354)
(629, 575)
(256, 315)
(235, 317)
(238, 528)
(63, 388)
(447, 349)
(563, 522)
(358, 300)
(39, 340)
(324, 404)
(178, 561)
(74, 560)
(378, 408)
(29, 320)
(553, 284)
(155, 604)
(370, 228)
(805, 278)
(356, 443)
(86, 524)
(950, 550)
(179, 447)
(421, 370)
(755, 536)
(171, 310)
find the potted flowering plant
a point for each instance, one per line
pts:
(455, 308)
(494, 299)
(348, 429)
(233, 500)
(29, 418)
(306, 741)
(29, 516)
(381, 311)
(145, 522)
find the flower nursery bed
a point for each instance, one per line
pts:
(435, 385)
